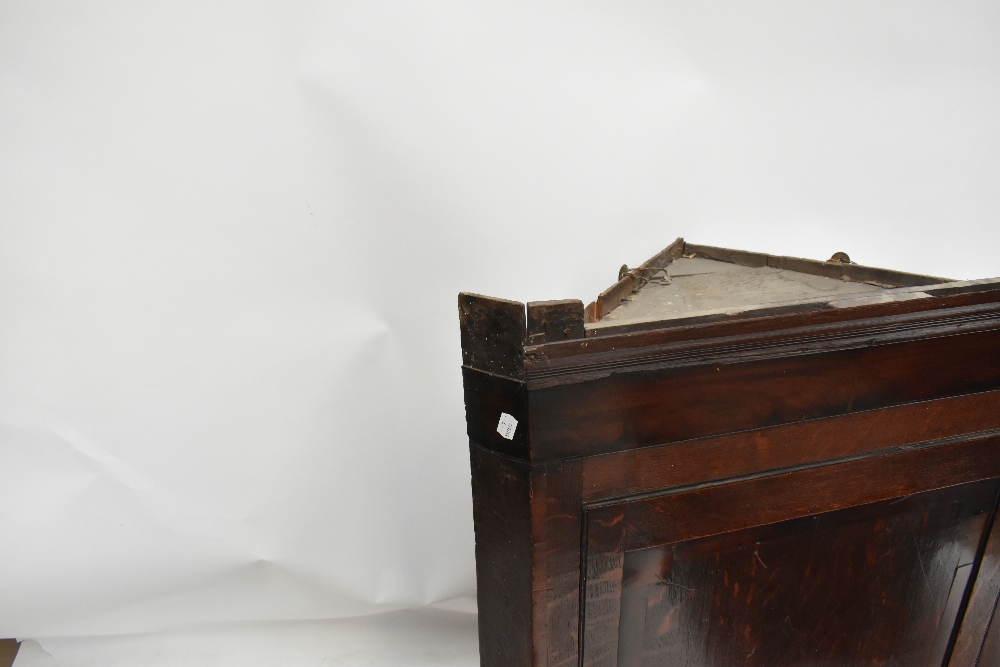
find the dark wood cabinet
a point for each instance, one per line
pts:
(732, 458)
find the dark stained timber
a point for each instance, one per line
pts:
(503, 558)
(487, 397)
(627, 410)
(603, 588)
(493, 333)
(810, 482)
(646, 470)
(725, 507)
(872, 585)
(556, 524)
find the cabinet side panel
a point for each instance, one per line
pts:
(502, 516)
(487, 398)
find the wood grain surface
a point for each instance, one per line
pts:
(672, 496)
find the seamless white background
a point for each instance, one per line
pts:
(232, 235)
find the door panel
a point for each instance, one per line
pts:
(877, 584)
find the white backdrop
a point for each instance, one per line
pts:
(232, 235)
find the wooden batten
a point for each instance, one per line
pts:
(843, 271)
(611, 297)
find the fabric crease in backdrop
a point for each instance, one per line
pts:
(232, 236)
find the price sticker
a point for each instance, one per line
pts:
(507, 426)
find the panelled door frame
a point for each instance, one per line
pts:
(612, 528)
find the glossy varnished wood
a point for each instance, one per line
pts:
(878, 584)
(642, 408)
(650, 469)
(688, 514)
(981, 607)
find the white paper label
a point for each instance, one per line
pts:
(506, 426)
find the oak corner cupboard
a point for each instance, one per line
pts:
(733, 458)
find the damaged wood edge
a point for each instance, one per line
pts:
(768, 310)
(895, 295)
(943, 288)
(550, 321)
(686, 356)
(652, 323)
(493, 334)
(612, 297)
(885, 278)
(956, 309)
(955, 287)
(495, 331)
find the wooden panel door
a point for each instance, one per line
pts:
(847, 564)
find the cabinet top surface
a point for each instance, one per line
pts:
(685, 281)
(695, 286)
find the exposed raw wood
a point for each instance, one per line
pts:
(786, 326)
(741, 257)
(493, 333)
(755, 283)
(550, 321)
(855, 272)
